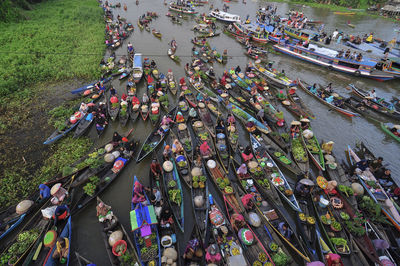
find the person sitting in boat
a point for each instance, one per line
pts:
(237, 221)
(302, 190)
(362, 165)
(220, 128)
(313, 88)
(153, 64)
(44, 191)
(294, 129)
(242, 171)
(192, 113)
(156, 169)
(155, 198)
(340, 54)
(247, 155)
(166, 214)
(333, 260)
(284, 229)
(117, 139)
(130, 48)
(213, 257)
(193, 249)
(372, 95)
(370, 38)
(375, 165)
(112, 91)
(211, 72)
(179, 118)
(247, 201)
(104, 212)
(359, 57)
(327, 147)
(61, 213)
(205, 150)
(329, 99)
(347, 54)
(238, 70)
(167, 153)
(384, 177)
(61, 251)
(138, 194)
(177, 147)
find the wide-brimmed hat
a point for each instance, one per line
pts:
(286, 102)
(211, 164)
(160, 93)
(182, 126)
(196, 171)
(198, 124)
(253, 164)
(305, 120)
(55, 188)
(295, 123)
(202, 105)
(224, 95)
(228, 86)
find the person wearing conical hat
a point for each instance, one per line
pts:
(295, 128)
(327, 147)
(305, 123)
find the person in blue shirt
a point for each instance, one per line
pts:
(362, 165)
(44, 191)
(313, 89)
(329, 99)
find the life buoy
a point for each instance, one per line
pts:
(330, 67)
(357, 73)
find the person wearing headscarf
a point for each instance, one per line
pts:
(61, 213)
(193, 249)
(242, 170)
(237, 221)
(138, 194)
(44, 191)
(177, 147)
(205, 149)
(61, 251)
(104, 212)
(247, 155)
(285, 230)
(166, 214)
(212, 255)
(116, 138)
(247, 201)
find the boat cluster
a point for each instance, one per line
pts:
(227, 132)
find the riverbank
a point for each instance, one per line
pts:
(361, 10)
(56, 49)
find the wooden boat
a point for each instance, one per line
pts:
(351, 25)
(66, 233)
(134, 108)
(172, 85)
(195, 260)
(278, 154)
(203, 135)
(337, 108)
(184, 136)
(299, 152)
(123, 113)
(221, 180)
(68, 126)
(139, 23)
(205, 116)
(84, 125)
(82, 261)
(145, 110)
(10, 220)
(182, 160)
(156, 33)
(107, 228)
(276, 176)
(271, 216)
(145, 232)
(168, 239)
(218, 220)
(198, 192)
(379, 105)
(221, 145)
(137, 70)
(309, 230)
(344, 13)
(209, 35)
(36, 227)
(379, 195)
(245, 117)
(189, 96)
(104, 182)
(153, 140)
(172, 184)
(182, 9)
(91, 85)
(113, 110)
(387, 130)
(252, 251)
(275, 79)
(232, 133)
(313, 148)
(294, 98)
(330, 227)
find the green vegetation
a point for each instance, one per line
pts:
(15, 185)
(48, 46)
(338, 5)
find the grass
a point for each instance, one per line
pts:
(59, 40)
(18, 183)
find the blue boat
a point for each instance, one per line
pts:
(89, 86)
(58, 134)
(66, 233)
(328, 58)
(137, 71)
(13, 224)
(145, 232)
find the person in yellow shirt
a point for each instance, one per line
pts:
(62, 249)
(370, 38)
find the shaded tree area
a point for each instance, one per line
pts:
(12, 10)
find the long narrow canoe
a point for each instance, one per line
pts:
(89, 86)
(66, 233)
(82, 261)
(153, 140)
(107, 228)
(314, 150)
(275, 79)
(246, 117)
(386, 129)
(275, 174)
(334, 107)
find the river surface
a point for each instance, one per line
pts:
(329, 125)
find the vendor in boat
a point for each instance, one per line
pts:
(238, 69)
(329, 89)
(347, 54)
(302, 190)
(166, 214)
(284, 229)
(362, 165)
(44, 191)
(333, 260)
(242, 171)
(247, 155)
(104, 212)
(212, 255)
(155, 198)
(375, 165)
(138, 194)
(167, 153)
(179, 117)
(156, 169)
(247, 201)
(327, 147)
(305, 123)
(205, 150)
(61, 251)
(193, 249)
(372, 95)
(117, 139)
(220, 128)
(295, 128)
(153, 64)
(128, 147)
(61, 213)
(231, 119)
(281, 95)
(177, 147)
(237, 222)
